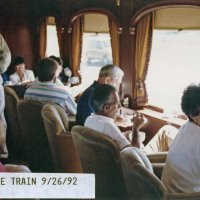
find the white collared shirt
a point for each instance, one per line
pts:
(107, 126)
(182, 170)
(28, 76)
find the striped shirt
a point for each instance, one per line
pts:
(49, 92)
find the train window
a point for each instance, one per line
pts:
(174, 64)
(96, 52)
(96, 46)
(52, 39)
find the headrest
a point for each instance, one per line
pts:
(5, 55)
(56, 116)
(135, 157)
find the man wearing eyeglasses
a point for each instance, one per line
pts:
(106, 103)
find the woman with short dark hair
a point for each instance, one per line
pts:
(182, 169)
(21, 74)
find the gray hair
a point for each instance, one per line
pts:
(111, 70)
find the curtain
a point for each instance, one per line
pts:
(43, 38)
(59, 35)
(76, 45)
(114, 41)
(63, 42)
(144, 31)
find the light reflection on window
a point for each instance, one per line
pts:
(174, 64)
(52, 41)
(96, 52)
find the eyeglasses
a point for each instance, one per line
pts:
(115, 102)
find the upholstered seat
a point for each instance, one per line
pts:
(62, 147)
(141, 182)
(32, 126)
(19, 90)
(14, 138)
(101, 156)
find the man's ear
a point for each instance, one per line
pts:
(54, 79)
(194, 118)
(106, 109)
(107, 79)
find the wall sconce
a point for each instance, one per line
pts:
(118, 2)
(69, 30)
(119, 30)
(62, 30)
(132, 30)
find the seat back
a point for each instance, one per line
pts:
(101, 156)
(62, 147)
(14, 138)
(32, 126)
(140, 180)
(19, 90)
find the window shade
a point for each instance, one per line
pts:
(177, 18)
(96, 23)
(51, 21)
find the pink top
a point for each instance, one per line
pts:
(2, 168)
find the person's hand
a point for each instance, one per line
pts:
(122, 121)
(139, 121)
(128, 135)
(20, 71)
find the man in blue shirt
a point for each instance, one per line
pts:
(109, 74)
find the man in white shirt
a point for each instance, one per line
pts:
(106, 103)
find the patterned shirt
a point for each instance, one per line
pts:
(49, 92)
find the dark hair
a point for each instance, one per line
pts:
(101, 96)
(58, 59)
(18, 60)
(46, 69)
(190, 102)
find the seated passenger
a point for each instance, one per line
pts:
(47, 90)
(57, 81)
(74, 91)
(106, 103)
(182, 170)
(109, 74)
(21, 74)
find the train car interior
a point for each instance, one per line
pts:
(155, 43)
